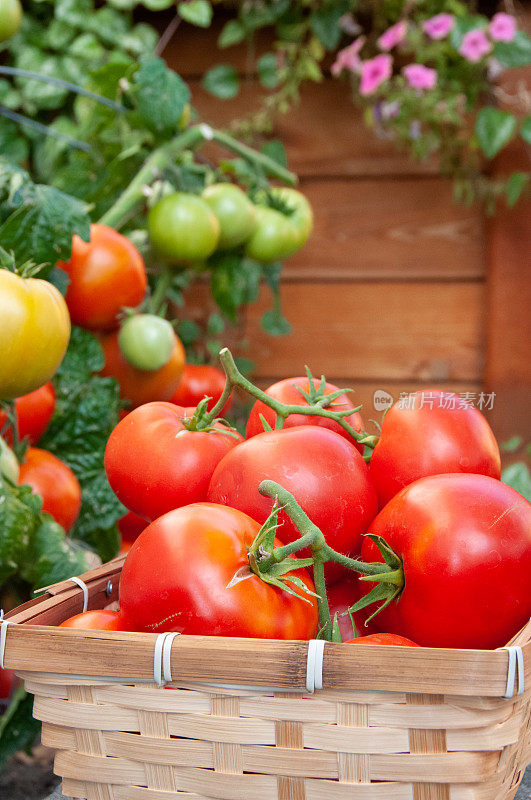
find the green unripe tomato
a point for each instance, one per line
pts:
(182, 227)
(184, 119)
(235, 212)
(146, 341)
(301, 216)
(273, 239)
(9, 466)
(10, 18)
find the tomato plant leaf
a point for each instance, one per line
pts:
(161, 94)
(87, 410)
(234, 280)
(494, 128)
(222, 81)
(515, 186)
(525, 130)
(275, 150)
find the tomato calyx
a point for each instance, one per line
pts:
(274, 564)
(201, 420)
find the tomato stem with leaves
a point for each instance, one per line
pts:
(388, 576)
(164, 155)
(282, 410)
(157, 301)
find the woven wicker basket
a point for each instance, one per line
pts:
(389, 724)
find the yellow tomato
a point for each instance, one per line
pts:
(34, 333)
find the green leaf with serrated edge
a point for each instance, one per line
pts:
(325, 23)
(233, 33)
(518, 477)
(196, 12)
(18, 728)
(222, 81)
(267, 70)
(52, 557)
(19, 510)
(516, 53)
(161, 94)
(494, 128)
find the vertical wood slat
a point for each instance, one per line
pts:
(353, 767)
(428, 741)
(90, 742)
(227, 757)
(290, 735)
(155, 724)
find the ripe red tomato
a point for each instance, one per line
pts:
(139, 385)
(341, 596)
(154, 464)
(389, 639)
(7, 679)
(325, 473)
(286, 392)
(34, 412)
(97, 620)
(106, 274)
(465, 541)
(176, 576)
(131, 526)
(429, 434)
(55, 482)
(199, 381)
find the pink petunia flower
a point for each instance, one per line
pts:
(348, 58)
(502, 27)
(374, 72)
(439, 26)
(420, 77)
(474, 46)
(393, 36)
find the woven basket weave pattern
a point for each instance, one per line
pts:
(135, 741)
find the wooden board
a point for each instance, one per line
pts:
(324, 134)
(391, 331)
(400, 229)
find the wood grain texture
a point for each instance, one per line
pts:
(421, 332)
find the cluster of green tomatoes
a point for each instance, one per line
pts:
(186, 228)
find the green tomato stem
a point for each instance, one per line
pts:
(157, 300)
(235, 378)
(166, 153)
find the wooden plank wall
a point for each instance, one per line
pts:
(390, 292)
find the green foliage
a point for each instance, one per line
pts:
(516, 53)
(494, 129)
(37, 221)
(222, 81)
(32, 546)
(197, 12)
(518, 476)
(162, 94)
(18, 729)
(86, 412)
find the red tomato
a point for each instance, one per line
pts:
(154, 464)
(439, 433)
(131, 526)
(55, 482)
(286, 392)
(139, 385)
(465, 541)
(341, 596)
(97, 620)
(34, 412)
(199, 381)
(389, 639)
(175, 579)
(7, 680)
(105, 274)
(325, 473)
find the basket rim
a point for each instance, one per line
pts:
(128, 656)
